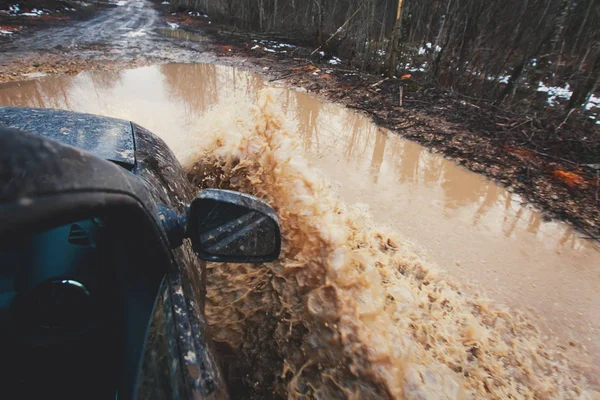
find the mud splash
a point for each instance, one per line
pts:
(349, 311)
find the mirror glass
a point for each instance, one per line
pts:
(231, 226)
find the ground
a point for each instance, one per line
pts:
(531, 156)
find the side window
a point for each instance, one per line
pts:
(160, 377)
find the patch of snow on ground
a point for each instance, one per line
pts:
(121, 3)
(255, 47)
(276, 45)
(593, 101)
(34, 13)
(173, 25)
(141, 32)
(335, 61)
(555, 92)
(503, 79)
(165, 2)
(428, 46)
(416, 69)
(381, 52)
(5, 33)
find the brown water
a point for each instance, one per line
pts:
(475, 231)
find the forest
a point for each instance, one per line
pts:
(511, 52)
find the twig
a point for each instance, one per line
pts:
(401, 128)
(379, 83)
(284, 76)
(550, 156)
(401, 89)
(416, 101)
(565, 121)
(598, 186)
(522, 123)
(342, 26)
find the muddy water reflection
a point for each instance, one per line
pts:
(469, 226)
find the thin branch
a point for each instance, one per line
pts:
(342, 26)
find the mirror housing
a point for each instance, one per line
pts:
(227, 226)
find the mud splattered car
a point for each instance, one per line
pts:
(101, 239)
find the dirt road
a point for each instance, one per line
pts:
(132, 33)
(124, 26)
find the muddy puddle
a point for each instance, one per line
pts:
(422, 331)
(182, 35)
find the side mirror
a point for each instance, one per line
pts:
(227, 226)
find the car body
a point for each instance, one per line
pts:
(110, 195)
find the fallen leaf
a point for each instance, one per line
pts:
(570, 178)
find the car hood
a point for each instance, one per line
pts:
(109, 138)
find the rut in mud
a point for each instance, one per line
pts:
(349, 310)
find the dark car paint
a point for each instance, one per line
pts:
(158, 167)
(108, 138)
(156, 179)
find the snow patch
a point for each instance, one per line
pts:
(335, 61)
(555, 92)
(592, 102)
(34, 13)
(255, 47)
(417, 69)
(173, 25)
(165, 2)
(141, 32)
(429, 46)
(197, 14)
(272, 46)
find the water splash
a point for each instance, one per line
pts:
(349, 310)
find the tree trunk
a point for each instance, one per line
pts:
(392, 60)
(587, 85)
